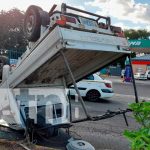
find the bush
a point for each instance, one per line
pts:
(140, 139)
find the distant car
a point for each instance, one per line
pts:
(148, 74)
(140, 76)
(93, 88)
(122, 73)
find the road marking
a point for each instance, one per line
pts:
(132, 96)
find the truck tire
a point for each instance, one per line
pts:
(32, 23)
(45, 19)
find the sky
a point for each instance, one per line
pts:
(128, 14)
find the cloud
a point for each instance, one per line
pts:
(123, 10)
(147, 28)
(123, 26)
(24, 4)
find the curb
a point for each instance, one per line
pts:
(132, 96)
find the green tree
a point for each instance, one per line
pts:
(11, 30)
(137, 34)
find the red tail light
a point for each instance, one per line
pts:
(121, 34)
(68, 19)
(117, 30)
(103, 25)
(65, 19)
(61, 22)
(108, 85)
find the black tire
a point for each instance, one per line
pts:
(32, 23)
(93, 95)
(45, 19)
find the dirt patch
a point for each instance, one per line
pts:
(11, 145)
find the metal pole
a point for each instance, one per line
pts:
(133, 80)
(63, 8)
(75, 85)
(70, 106)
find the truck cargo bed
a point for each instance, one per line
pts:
(86, 52)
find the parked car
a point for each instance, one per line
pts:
(148, 74)
(140, 76)
(94, 87)
(122, 73)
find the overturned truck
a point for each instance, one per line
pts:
(63, 48)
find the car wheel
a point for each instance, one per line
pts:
(32, 23)
(93, 95)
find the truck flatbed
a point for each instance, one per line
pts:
(86, 52)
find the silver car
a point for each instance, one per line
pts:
(148, 74)
(140, 76)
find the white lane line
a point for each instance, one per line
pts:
(132, 96)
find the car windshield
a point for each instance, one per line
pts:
(96, 77)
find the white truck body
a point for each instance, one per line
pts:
(42, 66)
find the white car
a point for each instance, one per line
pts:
(93, 88)
(148, 74)
(140, 76)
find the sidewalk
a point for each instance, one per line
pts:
(133, 97)
(118, 79)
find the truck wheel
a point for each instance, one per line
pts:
(32, 23)
(93, 95)
(45, 19)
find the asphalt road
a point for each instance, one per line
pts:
(108, 133)
(123, 88)
(104, 134)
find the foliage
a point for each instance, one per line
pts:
(140, 139)
(137, 34)
(11, 30)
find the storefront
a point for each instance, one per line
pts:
(141, 64)
(140, 46)
(142, 49)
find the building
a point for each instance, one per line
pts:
(140, 46)
(141, 64)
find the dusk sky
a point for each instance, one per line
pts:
(125, 13)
